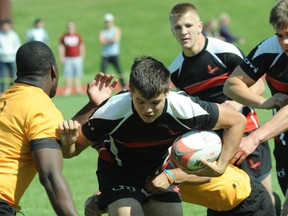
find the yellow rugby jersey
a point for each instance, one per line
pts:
(26, 113)
(223, 193)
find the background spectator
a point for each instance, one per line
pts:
(211, 28)
(37, 32)
(109, 38)
(9, 44)
(225, 32)
(72, 52)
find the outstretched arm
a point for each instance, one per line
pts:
(237, 88)
(98, 90)
(161, 182)
(273, 127)
(257, 88)
(49, 164)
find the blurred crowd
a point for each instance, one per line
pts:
(220, 28)
(71, 48)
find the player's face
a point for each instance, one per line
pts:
(282, 35)
(148, 109)
(186, 30)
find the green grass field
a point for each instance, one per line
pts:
(146, 31)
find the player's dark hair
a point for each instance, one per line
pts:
(149, 76)
(34, 59)
(179, 9)
(279, 15)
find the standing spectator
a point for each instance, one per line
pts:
(28, 140)
(72, 52)
(37, 33)
(109, 38)
(225, 32)
(9, 43)
(268, 58)
(210, 28)
(201, 70)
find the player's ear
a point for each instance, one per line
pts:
(200, 27)
(54, 71)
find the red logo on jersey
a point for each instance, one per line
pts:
(254, 165)
(176, 189)
(212, 70)
(171, 132)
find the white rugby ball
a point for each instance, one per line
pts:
(189, 148)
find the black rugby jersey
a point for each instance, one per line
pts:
(268, 58)
(139, 146)
(204, 74)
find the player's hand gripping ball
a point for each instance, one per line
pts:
(189, 148)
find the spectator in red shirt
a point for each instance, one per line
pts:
(72, 52)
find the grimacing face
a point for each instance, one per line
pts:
(148, 109)
(282, 35)
(186, 29)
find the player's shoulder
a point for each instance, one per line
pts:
(176, 63)
(182, 104)
(117, 106)
(43, 103)
(216, 45)
(270, 45)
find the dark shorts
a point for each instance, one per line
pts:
(116, 183)
(114, 60)
(258, 203)
(6, 209)
(258, 164)
(280, 154)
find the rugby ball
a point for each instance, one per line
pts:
(189, 148)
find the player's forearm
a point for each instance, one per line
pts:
(258, 87)
(231, 139)
(276, 125)
(59, 194)
(182, 177)
(69, 151)
(83, 115)
(240, 92)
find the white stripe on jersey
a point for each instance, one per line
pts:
(270, 45)
(176, 109)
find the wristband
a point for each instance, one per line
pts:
(170, 176)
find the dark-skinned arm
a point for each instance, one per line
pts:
(49, 164)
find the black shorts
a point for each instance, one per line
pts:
(258, 164)
(116, 183)
(6, 209)
(258, 203)
(280, 154)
